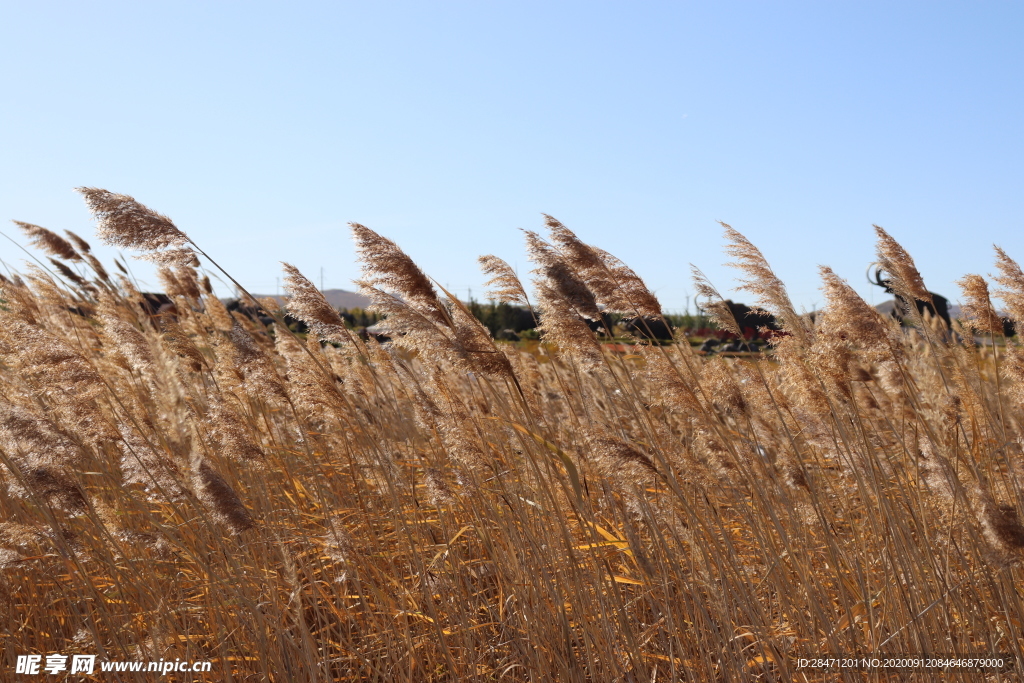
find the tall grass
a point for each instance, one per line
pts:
(448, 508)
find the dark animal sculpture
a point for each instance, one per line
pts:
(649, 328)
(753, 323)
(937, 307)
(601, 327)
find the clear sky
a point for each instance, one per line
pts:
(262, 128)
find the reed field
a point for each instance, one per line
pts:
(317, 506)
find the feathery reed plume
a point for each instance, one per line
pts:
(439, 493)
(474, 344)
(715, 308)
(260, 377)
(128, 341)
(849, 328)
(586, 264)
(565, 302)
(43, 459)
(762, 282)
(82, 245)
(1011, 279)
(55, 486)
(68, 273)
(906, 280)
(619, 460)
(671, 389)
(338, 541)
(188, 280)
(218, 496)
(1012, 367)
(559, 279)
(562, 325)
(124, 222)
(36, 438)
(504, 286)
(178, 341)
(218, 313)
(632, 296)
(227, 429)
(461, 340)
(307, 303)
(25, 540)
(387, 267)
(614, 284)
(977, 308)
(48, 242)
(62, 374)
(170, 257)
(169, 282)
(97, 267)
(853, 318)
(19, 302)
(141, 464)
(451, 422)
(309, 386)
(1002, 526)
(721, 389)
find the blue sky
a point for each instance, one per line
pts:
(263, 128)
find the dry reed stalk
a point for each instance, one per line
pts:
(760, 280)
(417, 315)
(715, 306)
(614, 284)
(125, 223)
(230, 437)
(977, 307)
(388, 268)
(158, 472)
(906, 281)
(308, 304)
(218, 496)
(1011, 279)
(261, 379)
(220, 317)
(504, 285)
(309, 387)
(49, 242)
(558, 280)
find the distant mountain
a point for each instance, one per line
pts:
(339, 298)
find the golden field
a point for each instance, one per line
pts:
(444, 507)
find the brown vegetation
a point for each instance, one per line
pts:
(449, 508)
